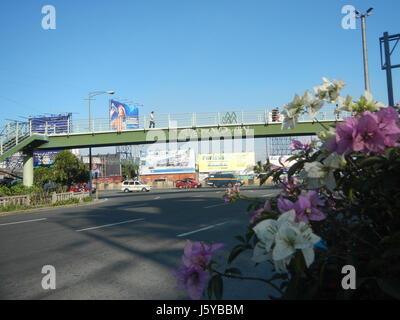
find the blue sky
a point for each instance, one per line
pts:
(184, 55)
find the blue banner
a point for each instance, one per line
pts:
(123, 117)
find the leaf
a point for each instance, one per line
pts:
(370, 161)
(299, 260)
(390, 287)
(235, 252)
(295, 167)
(217, 286)
(249, 234)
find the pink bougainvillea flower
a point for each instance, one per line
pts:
(193, 279)
(342, 142)
(236, 189)
(301, 146)
(199, 253)
(254, 215)
(296, 145)
(306, 207)
(285, 205)
(371, 133)
(368, 137)
(387, 122)
(228, 195)
(289, 186)
(191, 275)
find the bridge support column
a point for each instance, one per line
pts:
(28, 168)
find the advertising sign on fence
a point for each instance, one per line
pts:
(49, 125)
(170, 161)
(216, 162)
(122, 116)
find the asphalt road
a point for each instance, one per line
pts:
(125, 246)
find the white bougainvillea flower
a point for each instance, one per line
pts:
(293, 237)
(319, 174)
(328, 90)
(327, 134)
(370, 103)
(266, 232)
(288, 123)
(312, 104)
(345, 104)
(321, 91)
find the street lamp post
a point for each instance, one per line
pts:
(364, 41)
(92, 94)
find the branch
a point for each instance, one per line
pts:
(248, 278)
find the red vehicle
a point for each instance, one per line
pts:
(81, 187)
(187, 183)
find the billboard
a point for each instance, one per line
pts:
(226, 162)
(170, 161)
(53, 124)
(122, 116)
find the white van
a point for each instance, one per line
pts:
(128, 186)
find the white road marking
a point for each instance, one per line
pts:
(138, 205)
(157, 198)
(6, 224)
(268, 195)
(202, 229)
(215, 205)
(109, 225)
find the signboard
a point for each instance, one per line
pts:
(123, 117)
(50, 125)
(226, 162)
(44, 158)
(164, 162)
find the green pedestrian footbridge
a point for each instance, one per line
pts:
(85, 133)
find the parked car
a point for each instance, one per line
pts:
(223, 180)
(81, 187)
(187, 183)
(128, 186)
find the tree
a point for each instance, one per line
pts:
(43, 175)
(129, 169)
(68, 169)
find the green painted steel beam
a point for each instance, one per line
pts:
(144, 136)
(29, 143)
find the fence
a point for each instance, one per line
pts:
(65, 196)
(27, 200)
(15, 200)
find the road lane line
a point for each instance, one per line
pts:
(109, 225)
(268, 195)
(202, 229)
(215, 205)
(138, 205)
(157, 198)
(6, 224)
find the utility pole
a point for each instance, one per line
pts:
(364, 42)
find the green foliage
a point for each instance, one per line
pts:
(69, 169)
(12, 207)
(87, 199)
(43, 175)
(129, 169)
(65, 202)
